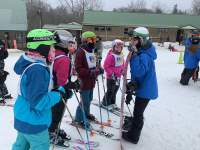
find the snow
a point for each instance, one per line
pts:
(172, 121)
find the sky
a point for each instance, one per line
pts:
(167, 5)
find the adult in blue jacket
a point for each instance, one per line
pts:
(191, 58)
(143, 81)
(32, 109)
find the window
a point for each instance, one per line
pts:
(102, 28)
(109, 29)
(125, 30)
(96, 28)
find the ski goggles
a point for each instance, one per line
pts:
(91, 40)
(135, 38)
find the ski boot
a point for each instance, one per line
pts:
(57, 140)
(2, 101)
(63, 135)
(7, 96)
(91, 117)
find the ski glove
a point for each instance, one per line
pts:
(64, 91)
(128, 98)
(95, 72)
(73, 85)
(131, 86)
(133, 49)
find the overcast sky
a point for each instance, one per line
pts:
(167, 5)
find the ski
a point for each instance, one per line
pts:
(106, 124)
(96, 131)
(93, 144)
(70, 147)
(123, 96)
(113, 111)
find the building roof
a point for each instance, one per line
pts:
(13, 15)
(109, 18)
(68, 26)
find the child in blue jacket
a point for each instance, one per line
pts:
(32, 109)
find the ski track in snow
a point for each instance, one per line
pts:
(172, 121)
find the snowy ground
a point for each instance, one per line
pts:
(172, 122)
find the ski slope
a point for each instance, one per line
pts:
(172, 121)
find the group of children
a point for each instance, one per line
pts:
(45, 83)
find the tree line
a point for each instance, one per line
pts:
(40, 12)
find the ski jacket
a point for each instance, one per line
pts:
(142, 68)
(32, 109)
(191, 60)
(3, 51)
(85, 69)
(113, 64)
(61, 68)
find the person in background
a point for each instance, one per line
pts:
(3, 74)
(191, 57)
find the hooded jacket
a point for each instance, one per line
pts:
(32, 109)
(142, 68)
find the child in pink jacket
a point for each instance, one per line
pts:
(113, 66)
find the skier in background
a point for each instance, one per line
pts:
(191, 57)
(98, 48)
(3, 74)
(113, 66)
(143, 81)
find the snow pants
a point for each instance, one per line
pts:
(57, 111)
(186, 75)
(110, 95)
(86, 98)
(3, 88)
(137, 121)
(38, 141)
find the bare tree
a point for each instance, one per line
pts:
(196, 7)
(137, 5)
(157, 7)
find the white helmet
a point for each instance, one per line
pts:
(141, 32)
(63, 38)
(118, 42)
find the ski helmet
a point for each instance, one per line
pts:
(63, 38)
(38, 37)
(117, 42)
(89, 37)
(141, 33)
(195, 37)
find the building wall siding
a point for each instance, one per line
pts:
(157, 34)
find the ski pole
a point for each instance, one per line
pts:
(126, 104)
(99, 103)
(73, 120)
(84, 118)
(109, 120)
